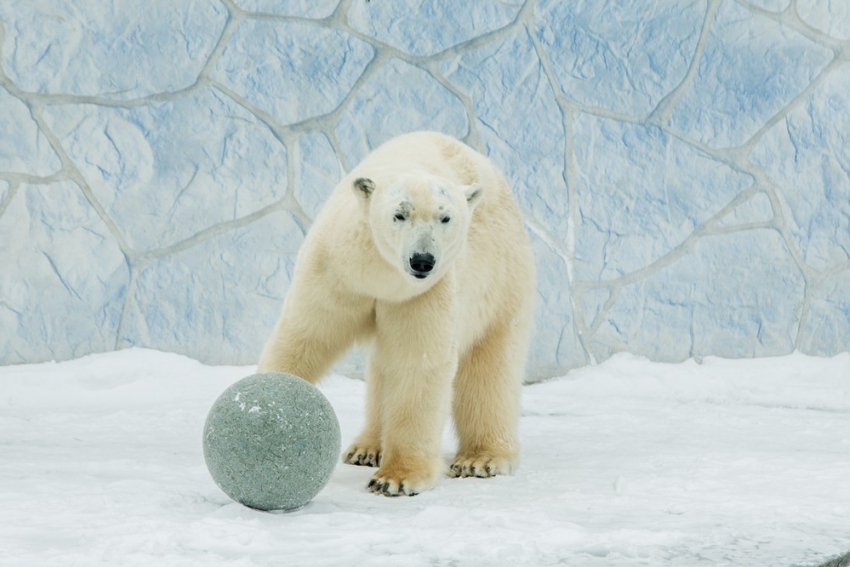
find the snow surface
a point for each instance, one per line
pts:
(630, 462)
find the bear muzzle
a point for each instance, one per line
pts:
(421, 265)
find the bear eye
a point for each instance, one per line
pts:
(445, 220)
(399, 217)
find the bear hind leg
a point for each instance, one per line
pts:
(366, 449)
(308, 338)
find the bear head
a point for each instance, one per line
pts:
(419, 222)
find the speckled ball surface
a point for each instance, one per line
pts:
(271, 441)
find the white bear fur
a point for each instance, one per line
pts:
(454, 339)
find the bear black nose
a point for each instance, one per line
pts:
(421, 264)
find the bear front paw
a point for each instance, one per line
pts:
(481, 466)
(364, 455)
(396, 482)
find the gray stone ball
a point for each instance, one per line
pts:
(271, 441)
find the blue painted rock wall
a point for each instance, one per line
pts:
(683, 166)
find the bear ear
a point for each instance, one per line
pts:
(365, 186)
(473, 193)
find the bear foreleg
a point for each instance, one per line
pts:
(416, 353)
(486, 403)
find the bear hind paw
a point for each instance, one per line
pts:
(362, 455)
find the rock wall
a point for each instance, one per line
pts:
(684, 166)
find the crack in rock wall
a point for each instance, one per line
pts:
(683, 166)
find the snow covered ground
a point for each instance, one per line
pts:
(740, 463)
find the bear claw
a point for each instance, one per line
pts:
(481, 467)
(362, 457)
(390, 488)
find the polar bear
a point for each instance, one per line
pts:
(420, 250)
